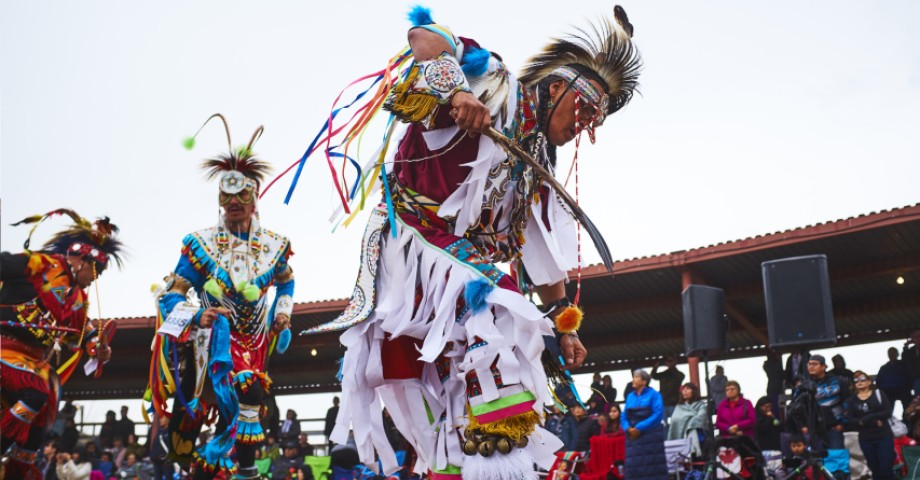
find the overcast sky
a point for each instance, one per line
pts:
(753, 118)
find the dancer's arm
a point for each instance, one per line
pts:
(467, 111)
(573, 352)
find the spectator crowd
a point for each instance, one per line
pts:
(799, 421)
(116, 452)
(795, 427)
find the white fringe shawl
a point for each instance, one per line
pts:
(512, 325)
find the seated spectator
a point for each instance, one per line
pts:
(735, 415)
(345, 456)
(912, 418)
(130, 468)
(118, 452)
(553, 420)
(689, 417)
(595, 405)
(272, 449)
(768, 427)
(105, 464)
(290, 465)
(797, 455)
(305, 449)
(47, 461)
(568, 430)
(585, 428)
(134, 446)
(92, 452)
(73, 466)
(613, 427)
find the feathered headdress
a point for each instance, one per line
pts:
(606, 49)
(95, 240)
(238, 169)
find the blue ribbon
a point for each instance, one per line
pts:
(306, 154)
(179, 396)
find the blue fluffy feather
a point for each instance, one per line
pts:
(475, 61)
(475, 294)
(284, 341)
(420, 15)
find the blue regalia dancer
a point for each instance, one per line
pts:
(211, 354)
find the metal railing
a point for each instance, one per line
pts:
(89, 430)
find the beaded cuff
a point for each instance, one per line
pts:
(428, 84)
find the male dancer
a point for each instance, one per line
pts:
(226, 339)
(438, 334)
(43, 309)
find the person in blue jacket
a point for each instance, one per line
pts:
(641, 419)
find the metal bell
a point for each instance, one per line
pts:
(470, 447)
(522, 442)
(487, 448)
(504, 446)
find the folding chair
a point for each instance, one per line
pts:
(677, 454)
(264, 466)
(911, 456)
(566, 465)
(320, 466)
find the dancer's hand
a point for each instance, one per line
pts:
(633, 432)
(469, 113)
(282, 322)
(103, 353)
(573, 352)
(208, 316)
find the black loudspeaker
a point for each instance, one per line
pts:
(704, 320)
(798, 297)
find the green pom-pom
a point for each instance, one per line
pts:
(252, 293)
(243, 151)
(189, 143)
(213, 289)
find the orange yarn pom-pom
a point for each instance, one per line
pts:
(569, 319)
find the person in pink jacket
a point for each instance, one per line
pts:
(735, 414)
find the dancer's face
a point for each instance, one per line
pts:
(562, 123)
(82, 271)
(236, 207)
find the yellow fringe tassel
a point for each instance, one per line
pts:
(409, 106)
(515, 427)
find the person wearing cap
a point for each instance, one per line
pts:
(227, 338)
(45, 330)
(434, 322)
(830, 403)
(289, 466)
